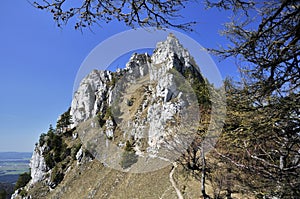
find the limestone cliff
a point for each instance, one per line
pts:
(147, 104)
(139, 119)
(38, 167)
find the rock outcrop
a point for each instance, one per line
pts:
(89, 98)
(95, 89)
(147, 104)
(143, 110)
(38, 165)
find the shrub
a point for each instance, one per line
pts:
(57, 148)
(128, 159)
(57, 175)
(130, 102)
(65, 152)
(49, 160)
(128, 146)
(75, 150)
(23, 193)
(42, 139)
(64, 121)
(23, 179)
(3, 194)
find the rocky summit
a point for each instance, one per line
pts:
(148, 106)
(124, 132)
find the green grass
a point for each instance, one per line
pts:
(11, 168)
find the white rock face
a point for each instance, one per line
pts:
(15, 195)
(168, 55)
(79, 155)
(109, 128)
(161, 101)
(170, 52)
(38, 165)
(87, 101)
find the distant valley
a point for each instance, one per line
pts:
(12, 164)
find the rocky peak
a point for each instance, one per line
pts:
(137, 60)
(172, 50)
(137, 66)
(170, 45)
(142, 105)
(96, 88)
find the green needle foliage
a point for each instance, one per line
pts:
(23, 179)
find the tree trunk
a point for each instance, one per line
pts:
(203, 175)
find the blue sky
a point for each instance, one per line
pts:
(39, 62)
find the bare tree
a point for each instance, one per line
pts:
(262, 129)
(265, 38)
(263, 141)
(134, 13)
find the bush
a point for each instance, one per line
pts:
(49, 160)
(65, 152)
(3, 194)
(130, 102)
(128, 146)
(57, 148)
(128, 159)
(102, 117)
(23, 193)
(57, 175)
(42, 139)
(64, 121)
(23, 179)
(75, 150)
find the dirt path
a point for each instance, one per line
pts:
(174, 183)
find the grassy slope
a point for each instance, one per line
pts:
(93, 180)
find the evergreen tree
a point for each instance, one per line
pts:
(64, 121)
(23, 179)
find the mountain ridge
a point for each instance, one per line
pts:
(125, 131)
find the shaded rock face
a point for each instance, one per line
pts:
(146, 104)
